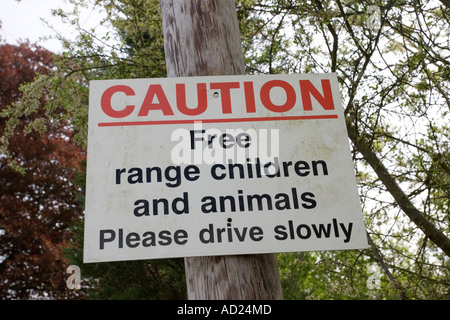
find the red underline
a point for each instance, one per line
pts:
(187, 121)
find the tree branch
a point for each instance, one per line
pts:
(435, 235)
(380, 260)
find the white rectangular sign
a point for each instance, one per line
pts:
(219, 165)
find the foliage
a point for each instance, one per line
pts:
(128, 280)
(394, 82)
(341, 275)
(125, 280)
(38, 203)
(393, 70)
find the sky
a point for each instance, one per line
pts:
(22, 20)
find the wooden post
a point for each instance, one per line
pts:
(202, 38)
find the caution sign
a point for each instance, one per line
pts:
(204, 166)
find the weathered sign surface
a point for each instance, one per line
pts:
(218, 165)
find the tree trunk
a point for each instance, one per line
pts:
(202, 38)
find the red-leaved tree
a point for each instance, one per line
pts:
(36, 207)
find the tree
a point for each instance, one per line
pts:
(39, 202)
(391, 59)
(140, 53)
(391, 62)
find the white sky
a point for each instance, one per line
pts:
(22, 20)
